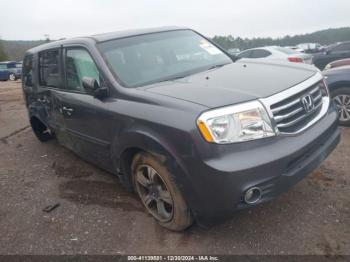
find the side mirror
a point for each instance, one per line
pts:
(92, 87)
(328, 52)
(235, 58)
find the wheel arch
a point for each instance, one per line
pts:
(339, 84)
(125, 147)
(34, 120)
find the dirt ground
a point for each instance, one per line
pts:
(96, 216)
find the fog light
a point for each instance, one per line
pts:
(252, 195)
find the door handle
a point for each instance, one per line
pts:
(68, 110)
(42, 100)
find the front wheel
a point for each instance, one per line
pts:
(159, 192)
(341, 98)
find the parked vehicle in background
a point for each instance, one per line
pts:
(338, 80)
(180, 123)
(338, 63)
(310, 47)
(276, 53)
(332, 53)
(18, 69)
(10, 70)
(295, 48)
(233, 51)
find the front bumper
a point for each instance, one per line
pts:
(274, 165)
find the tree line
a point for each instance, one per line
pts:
(3, 55)
(324, 37)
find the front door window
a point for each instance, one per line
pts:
(79, 64)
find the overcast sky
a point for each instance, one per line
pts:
(32, 19)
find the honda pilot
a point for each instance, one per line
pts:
(195, 133)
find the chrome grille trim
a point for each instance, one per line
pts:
(282, 117)
(321, 106)
(291, 123)
(278, 109)
(318, 97)
(313, 91)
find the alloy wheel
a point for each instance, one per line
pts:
(154, 193)
(342, 103)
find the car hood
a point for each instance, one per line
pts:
(337, 71)
(234, 83)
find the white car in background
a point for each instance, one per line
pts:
(276, 53)
(233, 51)
(310, 47)
(295, 48)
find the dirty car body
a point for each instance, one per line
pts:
(288, 126)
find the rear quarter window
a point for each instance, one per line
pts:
(27, 73)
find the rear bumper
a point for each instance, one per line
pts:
(273, 165)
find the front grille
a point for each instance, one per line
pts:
(290, 115)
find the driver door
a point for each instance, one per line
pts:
(85, 115)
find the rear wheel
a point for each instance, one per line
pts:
(341, 98)
(41, 131)
(159, 192)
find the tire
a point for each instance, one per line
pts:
(41, 131)
(341, 98)
(12, 77)
(159, 193)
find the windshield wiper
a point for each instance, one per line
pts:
(217, 66)
(172, 78)
(183, 76)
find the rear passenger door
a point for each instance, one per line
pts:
(50, 82)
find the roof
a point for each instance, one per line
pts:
(7, 62)
(134, 32)
(105, 37)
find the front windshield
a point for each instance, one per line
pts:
(3, 67)
(152, 58)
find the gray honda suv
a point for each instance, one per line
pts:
(195, 133)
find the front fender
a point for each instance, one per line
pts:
(147, 140)
(165, 144)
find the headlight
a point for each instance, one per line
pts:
(324, 87)
(238, 123)
(327, 67)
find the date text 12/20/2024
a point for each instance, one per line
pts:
(173, 258)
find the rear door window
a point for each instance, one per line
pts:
(49, 69)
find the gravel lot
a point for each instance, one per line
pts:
(96, 216)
